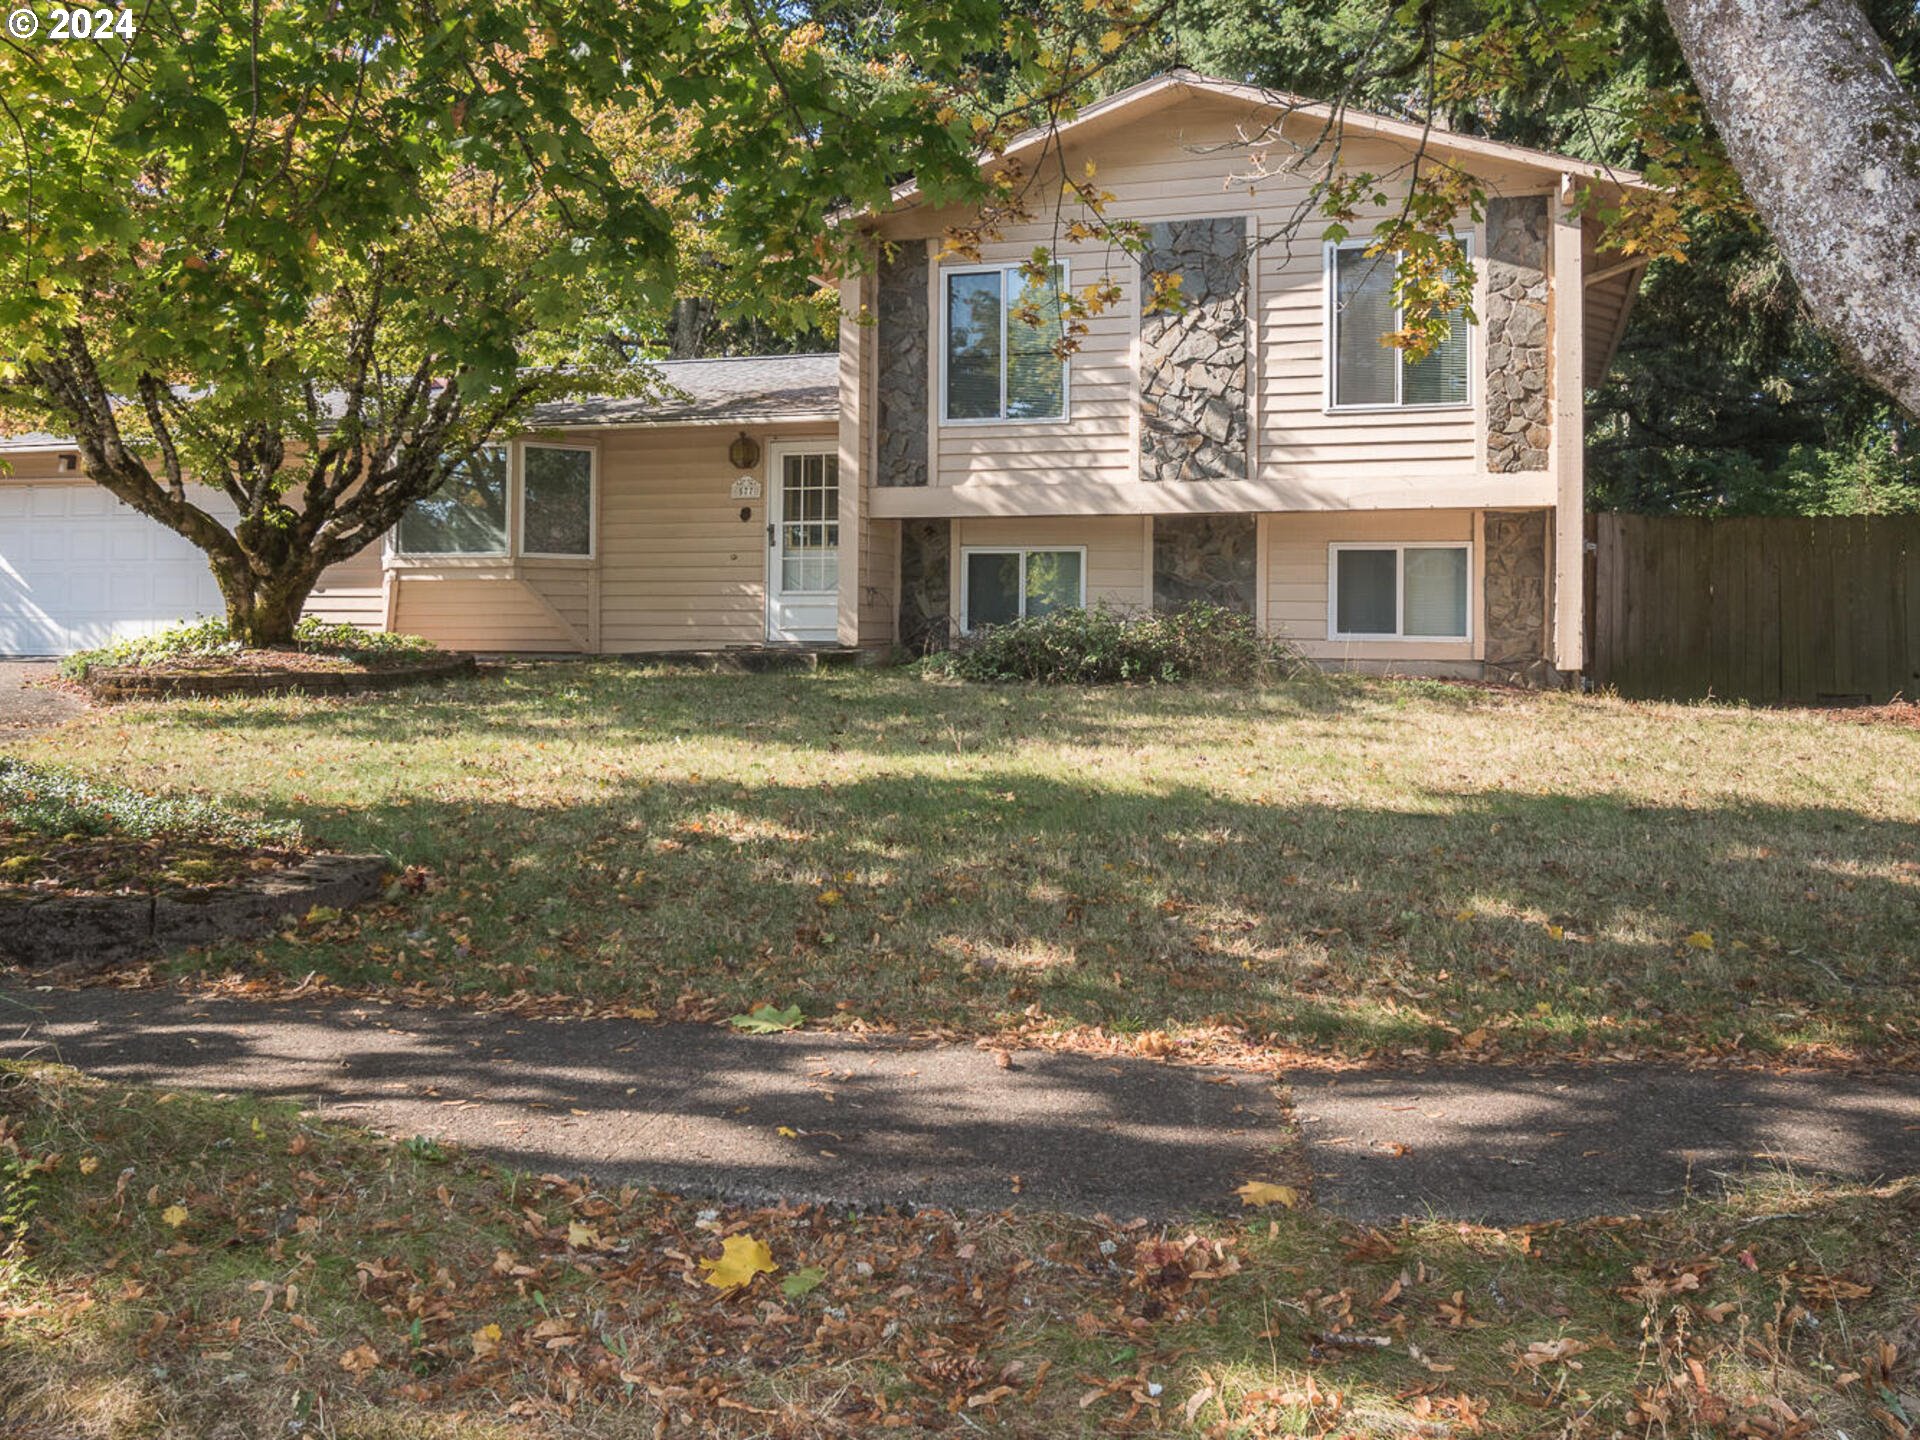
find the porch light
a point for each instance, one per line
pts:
(744, 452)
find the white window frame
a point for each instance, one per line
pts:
(1400, 548)
(1330, 340)
(943, 273)
(966, 587)
(517, 490)
(429, 559)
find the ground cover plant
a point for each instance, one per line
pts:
(65, 832)
(209, 647)
(1336, 867)
(214, 1267)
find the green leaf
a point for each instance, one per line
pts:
(802, 1282)
(765, 1020)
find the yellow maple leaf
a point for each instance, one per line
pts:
(174, 1215)
(486, 1341)
(1556, 932)
(786, 1131)
(89, 1164)
(1259, 1192)
(582, 1237)
(1699, 940)
(741, 1258)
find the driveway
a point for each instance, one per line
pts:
(27, 707)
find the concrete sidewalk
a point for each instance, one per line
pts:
(703, 1110)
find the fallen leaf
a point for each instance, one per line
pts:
(1699, 940)
(802, 1282)
(174, 1215)
(741, 1258)
(765, 1020)
(486, 1341)
(360, 1359)
(1260, 1192)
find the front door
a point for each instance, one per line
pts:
(803, 545)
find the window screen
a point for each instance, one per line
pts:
(1365, 591)
(1001, 332)
(1436, 592)
(558, 496)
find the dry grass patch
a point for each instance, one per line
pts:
(1335, 866)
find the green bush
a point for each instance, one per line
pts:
(211, 637)
(1106, 646)
(51, 801)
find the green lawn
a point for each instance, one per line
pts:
(218, 1269)
(1329, 864)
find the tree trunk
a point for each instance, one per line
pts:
(687, 334)
(263, 609)
(1827, 143)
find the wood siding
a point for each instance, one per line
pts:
(1297, 576)
(1181, 166)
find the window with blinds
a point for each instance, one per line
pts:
(1002, 329)
(1369, 372)
(1398, 592)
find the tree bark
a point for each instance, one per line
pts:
(1826, 141)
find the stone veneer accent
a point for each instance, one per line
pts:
(903, 333)
(1516, 326)
(1193, 361)
(1514, 621)
(1204, 557)
(926, 591)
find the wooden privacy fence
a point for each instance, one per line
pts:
(1772, 610)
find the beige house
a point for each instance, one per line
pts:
(1259, 447)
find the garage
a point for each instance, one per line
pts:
(78, 568)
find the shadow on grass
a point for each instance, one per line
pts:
(964, 901)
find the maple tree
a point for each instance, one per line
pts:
(314, 258)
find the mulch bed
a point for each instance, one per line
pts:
(264, 672)
(33, 865)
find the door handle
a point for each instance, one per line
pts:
(769, 534)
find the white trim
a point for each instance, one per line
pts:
(1330, 338)
(944, 273)
(968, 551)
(397, 558)
(1397, 636)
(774, 493)
(518, 477)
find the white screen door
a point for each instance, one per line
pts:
(803, 550)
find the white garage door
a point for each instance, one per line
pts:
(78, 568)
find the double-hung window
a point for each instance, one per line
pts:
(1365, 371)
(1003, 583)
(544, 491)
(1398, 592)
(1000, 332)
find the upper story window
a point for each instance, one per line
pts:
(999, 327)
(1366, 373)
(549, 487)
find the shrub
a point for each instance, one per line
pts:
(50, 801)
(211, 637)
(1106, 646)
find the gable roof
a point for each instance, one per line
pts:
(1149, 97)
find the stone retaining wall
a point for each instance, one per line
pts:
(136, 684)
(91, 932)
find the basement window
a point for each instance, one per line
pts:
(1398, 592)
(999, 584)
